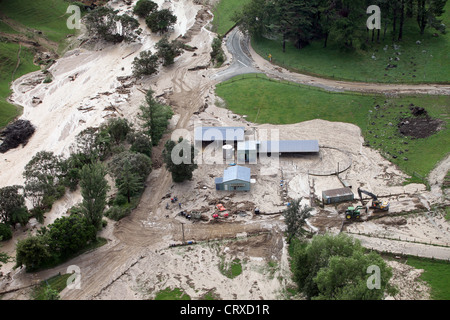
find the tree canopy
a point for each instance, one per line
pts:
(301, 21)
(336, 267)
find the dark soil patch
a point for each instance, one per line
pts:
(419, 127)
(17, 133)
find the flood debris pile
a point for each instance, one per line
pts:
(15, 134)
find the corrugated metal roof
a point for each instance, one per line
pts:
(236, 173)
(219, 134)
(289, 146)
(337, 192)
(246, 145)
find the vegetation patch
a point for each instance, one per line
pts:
(49, 289)
(436, 274)
(172, 294)
(231, 269)
(224, 13)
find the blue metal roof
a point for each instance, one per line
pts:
(289, 146)
(219, 134)
(236, 173)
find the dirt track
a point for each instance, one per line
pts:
(133, 262)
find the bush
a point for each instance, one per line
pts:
(146, 64)
(141, 143)
(32, 252)
(120, 200)
(160, 21)
(144, 7)
(5, 232)
(140, 164)
(67, 235)
(116, 213)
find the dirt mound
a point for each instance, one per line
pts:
(419, 127)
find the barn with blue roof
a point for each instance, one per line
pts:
(235, 178)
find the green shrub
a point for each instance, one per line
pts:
(116, 213)
(5, 232)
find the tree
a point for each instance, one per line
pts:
(146, 64)
(160, 21)
(428, 12)
(12, 206)
(217, 54)
(106, 24)
(68, 235)
(32, 252)
(253, 18)
(43, 179)
(179, 159)
(168, 51)
(155, 117)
(335, 267)
(141, 143)
(118, 128)
(139, 163)
(129, 182)
(144, 7)
(94, 188)
(92, 145)
(295, 217)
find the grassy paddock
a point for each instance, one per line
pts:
(223, 13)
(418, 63)
(8, 64)
(436, 274)
(270, 101)
(47, 16)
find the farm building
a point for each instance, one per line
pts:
(289, 147)
(235, 178)
(206, 135)
(337, 195)
(247, 151)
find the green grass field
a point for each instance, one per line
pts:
(436, 274)
(223, 13)
(8, 63)
(276, 102)
(47, 16)
(424, 63)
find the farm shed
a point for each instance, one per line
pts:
(289, 147)
(337, 195)
(205, 135)
(235, 178)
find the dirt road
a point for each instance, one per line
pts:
(240, 48)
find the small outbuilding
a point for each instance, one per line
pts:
(337, 195)
(235, 178)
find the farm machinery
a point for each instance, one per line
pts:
(376, 203)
